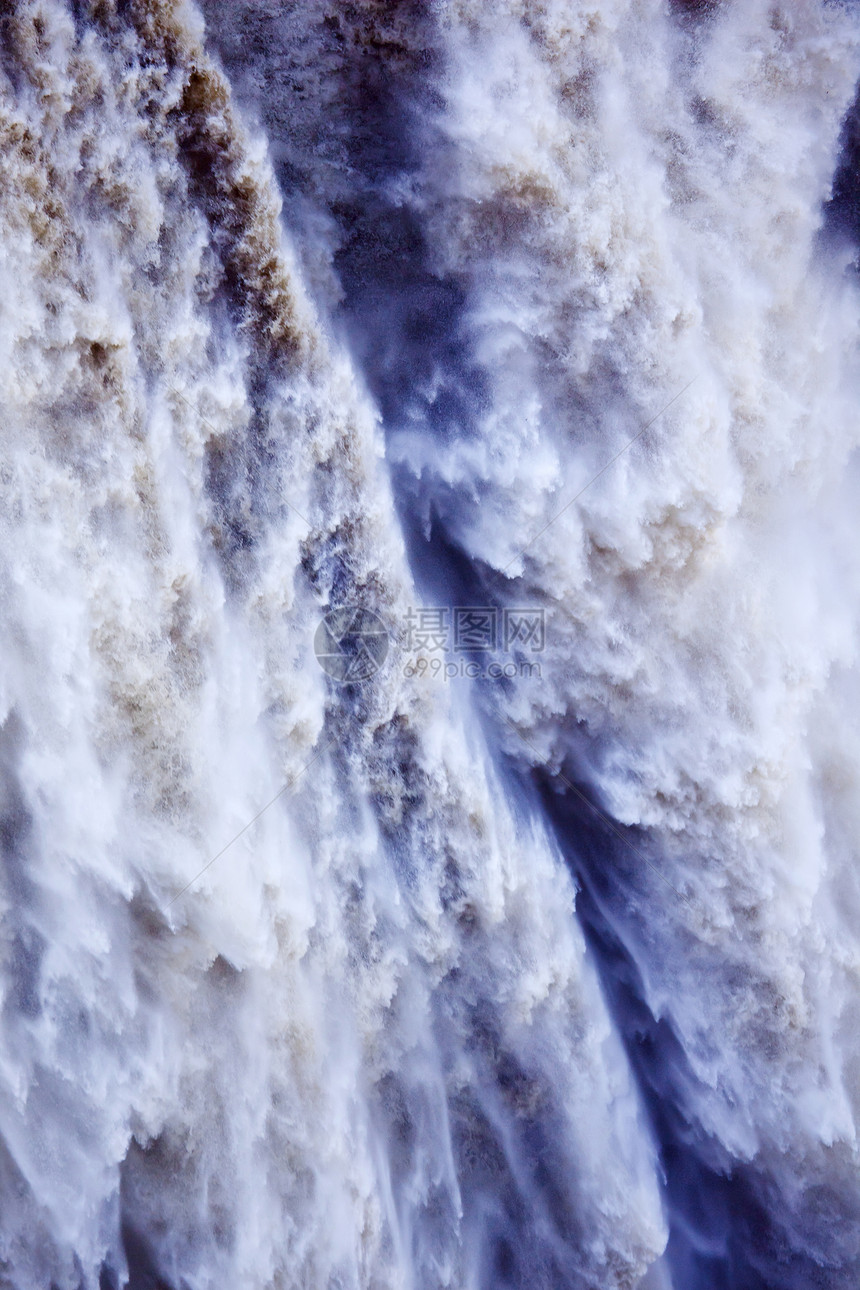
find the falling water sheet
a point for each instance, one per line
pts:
(428, 677)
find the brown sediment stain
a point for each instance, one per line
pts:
(39, 229)
(59, 175)
(31, 190)
(245, 214)
(234, 188)
(149, 71)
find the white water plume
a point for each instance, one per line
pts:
(545, 980)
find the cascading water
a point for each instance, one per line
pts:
(535, 966)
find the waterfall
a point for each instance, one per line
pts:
(430, 621)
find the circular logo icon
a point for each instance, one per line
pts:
(351, 644)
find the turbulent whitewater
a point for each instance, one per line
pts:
(540, 977)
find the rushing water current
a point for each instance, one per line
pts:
(429, 645)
